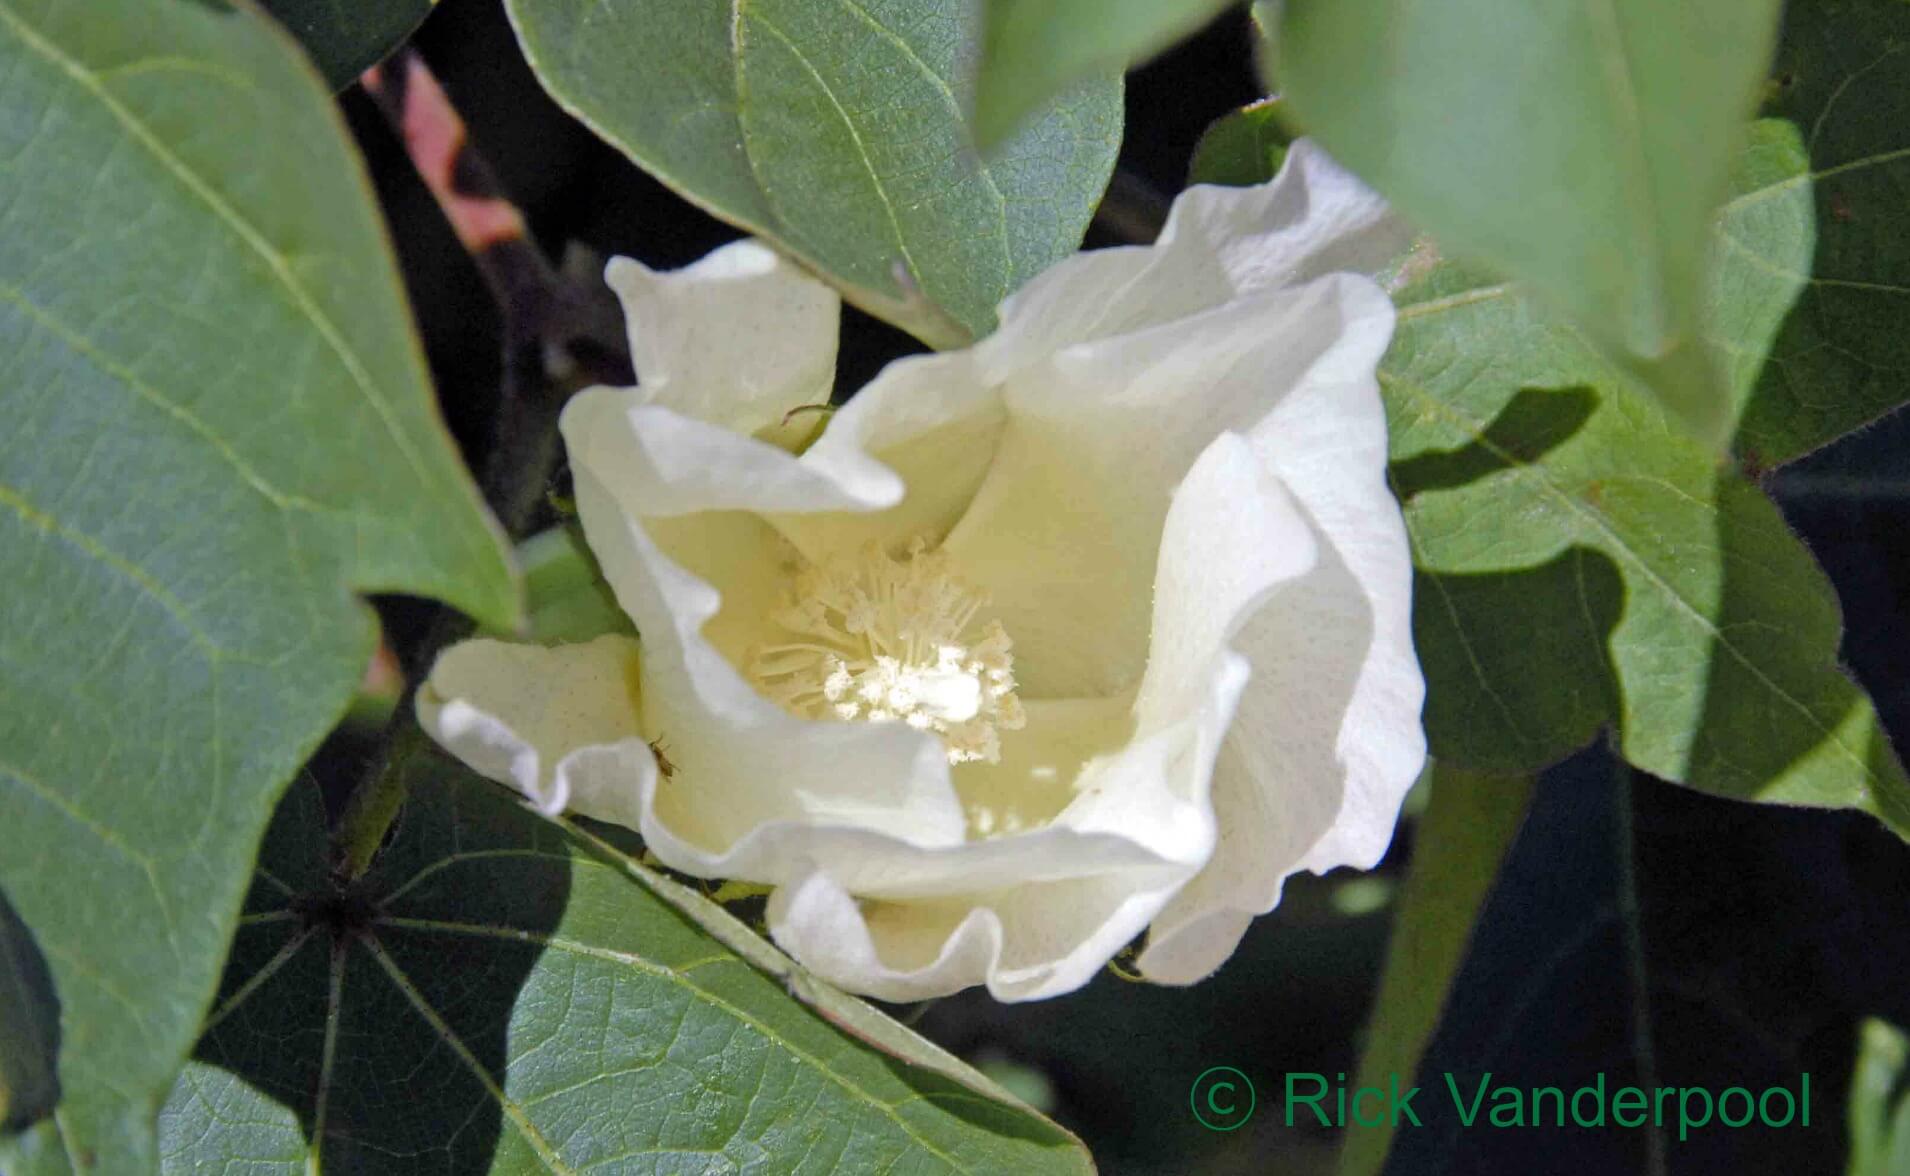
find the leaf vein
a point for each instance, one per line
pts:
(661, 971)
(1623, 549)
(275, 261)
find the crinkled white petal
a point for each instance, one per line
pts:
(1233, 535)
(1312, 219)
(1327, 739)
(558, 724)
(927, 420)
(1327, 442)
(736, 340)
(742, 760)
(1026, 937)
(1030, 943)
(660, 462)
(1065, 531)
(757, 791)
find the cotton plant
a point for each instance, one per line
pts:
(1098, 627)
(774, 769)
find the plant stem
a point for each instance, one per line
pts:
(1132, 209)
(375, 804)
(559, 334)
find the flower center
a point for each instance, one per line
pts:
(889, 638)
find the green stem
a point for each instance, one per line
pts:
(375, 804)
(558, 330)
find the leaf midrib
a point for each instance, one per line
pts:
(675, 974)
(300, 298)
(855, 134)
(671, 973)
(1637, 181)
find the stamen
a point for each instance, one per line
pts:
(889, 638)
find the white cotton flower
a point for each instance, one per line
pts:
(1098, 627)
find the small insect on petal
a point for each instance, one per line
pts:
(665, 768)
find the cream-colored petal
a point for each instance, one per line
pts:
(739, 554)
(1155, 789)
(1311, 219)
(1232, 536)
(558, 724)
(701, 492)
(1065, 531)
(737, 339)
(1091, 295)
(655, 461)
(1030, 943)
(1009, 916)
(740, 760)
(1314, 218)
(928, 420)
(1328, 445)
(1140, 813)
(1039, 773)
(1139, 807)
(1327, 738)
(1133, 823)
(1138, 810)
(888, 864)
(757, 792)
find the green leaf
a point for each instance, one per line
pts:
(1243, 148)
(1032, 50)
(1584, 563)
(565, 595)
(506, 995)
(1761, 251)
(1880, 1102)
(835, 129)
(1457, 849)
(1843, 356)
(1580, 148)
(218, 425)
(347, 37)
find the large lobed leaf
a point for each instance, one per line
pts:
(1579, 147)
(505, 995)
(1584, 562)
(345, 37)
(836, 129)
(1680, 608)
(217, 427)
(1843, 356)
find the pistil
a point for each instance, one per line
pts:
(887, 638)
